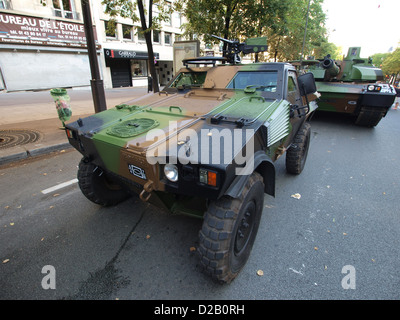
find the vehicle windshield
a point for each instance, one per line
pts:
(259, 80)
(189, 79)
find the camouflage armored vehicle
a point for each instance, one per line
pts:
(204, 146)
(352, 86)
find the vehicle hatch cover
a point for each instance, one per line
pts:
(132, 127)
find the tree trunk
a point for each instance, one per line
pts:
(147, 36)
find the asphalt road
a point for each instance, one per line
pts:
(340, 240)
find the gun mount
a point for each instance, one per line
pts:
(252, 45)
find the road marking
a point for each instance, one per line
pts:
(59, 186)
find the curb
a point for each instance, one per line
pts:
(34, 153)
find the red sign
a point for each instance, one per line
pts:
(40, 31)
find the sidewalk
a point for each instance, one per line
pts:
(32, 116)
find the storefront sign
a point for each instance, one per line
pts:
(128, 54)
(39, 31)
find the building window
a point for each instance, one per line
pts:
(167, 38)
(65, 9)
(4, 4)
(127, 32)
(111, 29)
(169, 12)
(156, 36)
(141, 35)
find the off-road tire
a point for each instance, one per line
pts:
(296, 155)
(223, 252)
(97, 187)
(368, 117)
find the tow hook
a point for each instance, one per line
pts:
(146, 192)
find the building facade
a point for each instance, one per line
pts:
(43, 46)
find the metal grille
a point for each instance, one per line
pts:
(278, 127)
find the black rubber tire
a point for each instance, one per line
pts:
(97, 187)
(223, 252)
(296, 155)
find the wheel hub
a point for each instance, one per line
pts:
(244, 229)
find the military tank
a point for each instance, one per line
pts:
(352, 86)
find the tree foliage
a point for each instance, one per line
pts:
(388, 62)
(283, 22)
(391, 65)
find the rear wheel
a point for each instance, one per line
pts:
(98, 187)
(229, 229)
(296, 155)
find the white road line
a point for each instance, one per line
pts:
(59, 186)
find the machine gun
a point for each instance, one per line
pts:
(252, 45)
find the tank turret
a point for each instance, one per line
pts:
(356, 69)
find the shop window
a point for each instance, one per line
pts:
(167, 38)
(139, 68)
(156, 36)
(127, 32)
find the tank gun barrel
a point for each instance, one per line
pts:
(331, 69)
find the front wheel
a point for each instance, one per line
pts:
(98, 187)
(229, 229)
(296, 155)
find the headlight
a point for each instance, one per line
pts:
(376, 88)
(171, 172)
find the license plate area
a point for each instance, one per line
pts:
(137, 171)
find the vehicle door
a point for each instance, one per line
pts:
(297, 115)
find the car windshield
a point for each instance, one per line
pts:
(189, 79)
(259, 80)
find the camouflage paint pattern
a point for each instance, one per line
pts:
(343, 84)
(117, 139)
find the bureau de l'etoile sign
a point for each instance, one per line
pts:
(21, 29)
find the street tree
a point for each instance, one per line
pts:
(283, 22)
(212, 17)
(137, 10)
(391, 65)
(326, 48)
(288, 46)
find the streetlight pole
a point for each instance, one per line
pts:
(96, 83)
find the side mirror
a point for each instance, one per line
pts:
(306, 84)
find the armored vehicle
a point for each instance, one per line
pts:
(204, 146)
(352, 86)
